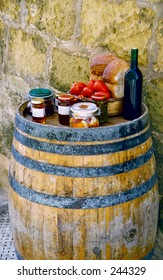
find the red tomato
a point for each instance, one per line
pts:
(102, 93)
(77, 88)
(81, 84)
(87, 92)
(100, 86)
(90, 84)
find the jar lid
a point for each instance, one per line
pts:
(84, 109)
(37, 101)
(40, 93)
(99, 96)
(65, 97)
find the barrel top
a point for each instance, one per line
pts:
(117, 127)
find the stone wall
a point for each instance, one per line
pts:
(49, 44)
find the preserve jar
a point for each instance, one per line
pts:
(101, 101)
(48, 97)
(84, 115)
(65, 101)
(38, 110)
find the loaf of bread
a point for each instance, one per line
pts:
(113, 76)
(98, 64)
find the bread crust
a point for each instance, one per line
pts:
(113, 76)
(115, 70)
(99, 62)
(96, 77)
(110, 69)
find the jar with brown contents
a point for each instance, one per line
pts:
(38, 110)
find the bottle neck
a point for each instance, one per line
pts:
(134, 58)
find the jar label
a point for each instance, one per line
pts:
(63, 110)
(38, 113)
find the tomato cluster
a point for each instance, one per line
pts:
(83, 90)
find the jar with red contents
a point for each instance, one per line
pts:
(101, 100)
(65, 101)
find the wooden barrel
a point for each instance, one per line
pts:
(83, 193)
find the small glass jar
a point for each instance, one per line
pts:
(38, 110)
(48, 97)
(65, 101)
(84, 115)
(101, 101)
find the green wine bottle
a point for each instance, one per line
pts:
(133, 89)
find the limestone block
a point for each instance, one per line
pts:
(27, 54)
(13, 91)
(158, 148)
(4, 172)
(68, 68)
(10, 7)
(159, 66)
(154, 100)
(6, 137)
(1, 132)
(1, 41)
(118, 26)
(54, 17)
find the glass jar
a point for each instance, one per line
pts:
(84, 115)
(65, 101)
(38, 110)
(48, 97)
(101, 101)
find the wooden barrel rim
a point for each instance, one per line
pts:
(75, 135)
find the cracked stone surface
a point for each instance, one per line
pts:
(3, 200)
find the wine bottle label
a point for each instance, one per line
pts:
(63, 110)
(38, 113)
